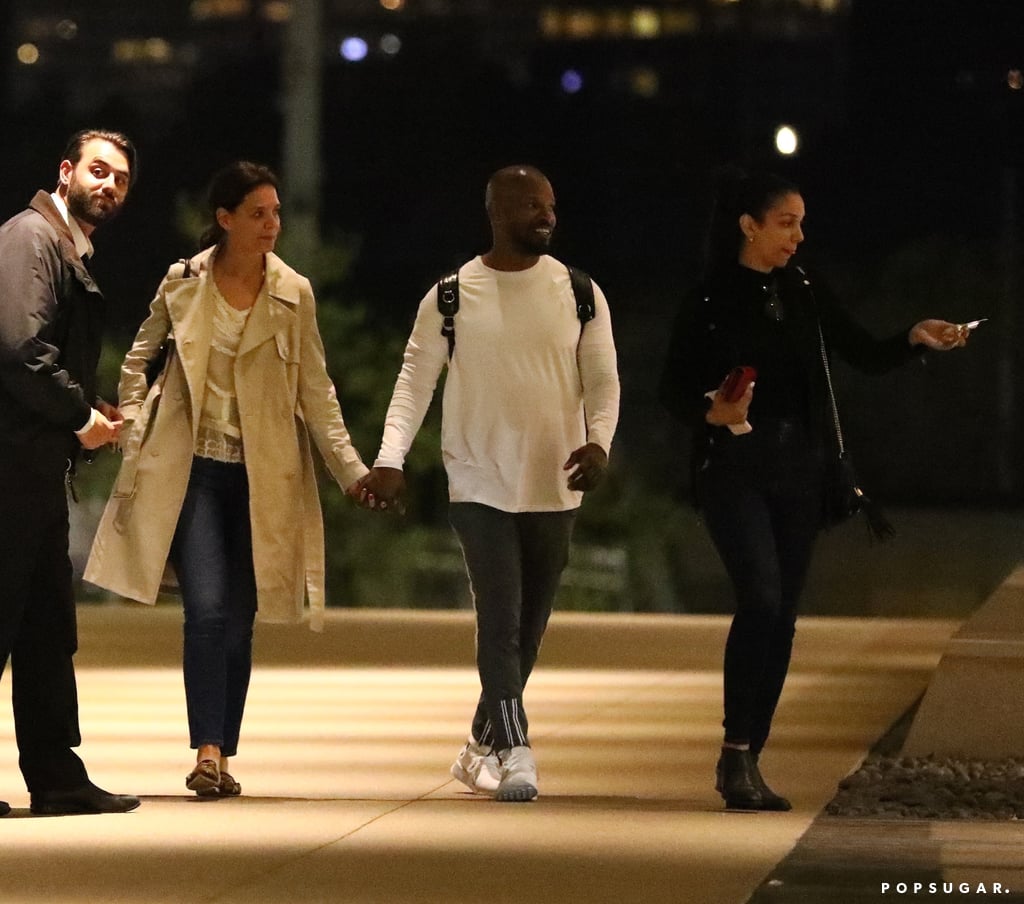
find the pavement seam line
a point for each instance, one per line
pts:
(261, 876)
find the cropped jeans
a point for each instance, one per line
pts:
(761, 499)
(212, 554)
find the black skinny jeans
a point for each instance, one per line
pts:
(761, 496)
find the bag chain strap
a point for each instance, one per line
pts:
(828, 370)
(831, 394)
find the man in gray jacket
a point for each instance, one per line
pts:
(51, 320)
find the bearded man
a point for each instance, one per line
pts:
(51, 320)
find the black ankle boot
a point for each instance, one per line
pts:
(769, 799)
(736, 775)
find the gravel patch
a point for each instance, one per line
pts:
(891, 786)
(932, 788)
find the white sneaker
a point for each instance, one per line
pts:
(477, 768)
(518, 775)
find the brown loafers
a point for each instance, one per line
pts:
(228, 787)
(204, 779)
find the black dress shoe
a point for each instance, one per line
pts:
(5, 808)
(736, 780)
(85, 799)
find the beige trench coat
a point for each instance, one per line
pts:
(285, 396)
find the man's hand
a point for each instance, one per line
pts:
(590, 462)
(382, 489)
(104, 430)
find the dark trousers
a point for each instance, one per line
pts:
(212, 554)
(761, 497)
(38, 630)
(514, 562)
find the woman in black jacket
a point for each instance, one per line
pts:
(760, 460)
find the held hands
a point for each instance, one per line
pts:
(939, 335)
(590, 463)
(105, 429)
(381, 490)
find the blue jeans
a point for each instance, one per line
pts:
(514, 562)
(212, 554)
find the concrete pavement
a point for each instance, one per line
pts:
(349, 736)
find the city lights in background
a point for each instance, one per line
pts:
(219, 9)
(390, 44)
(787, 141)
(572, 81)
(28, 54)
(354, 49)
(142, 50)
(646, 23)
(66, 29)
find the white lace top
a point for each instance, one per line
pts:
(220, 426)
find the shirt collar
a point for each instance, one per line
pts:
(82, 244)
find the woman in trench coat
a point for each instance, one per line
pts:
(217, 476)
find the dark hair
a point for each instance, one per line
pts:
(228, 189)
(736, 193)
(73, 149)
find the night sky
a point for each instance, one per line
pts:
(911, 170)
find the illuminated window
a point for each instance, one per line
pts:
(551, 23)
(144, 50)
(582, 24)
(680, 22)
(616, 23)
(645, 23)
(219, 9)
(640, 22)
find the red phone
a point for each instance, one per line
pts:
(737, 382)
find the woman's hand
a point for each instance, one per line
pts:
(723, 413)
(939, 335)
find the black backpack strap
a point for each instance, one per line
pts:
(448, 307)
(583, 290)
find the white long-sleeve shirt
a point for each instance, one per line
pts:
(524, 387)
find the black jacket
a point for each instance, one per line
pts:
(51, 323)
(723, 324)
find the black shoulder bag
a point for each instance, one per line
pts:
(842, 493)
